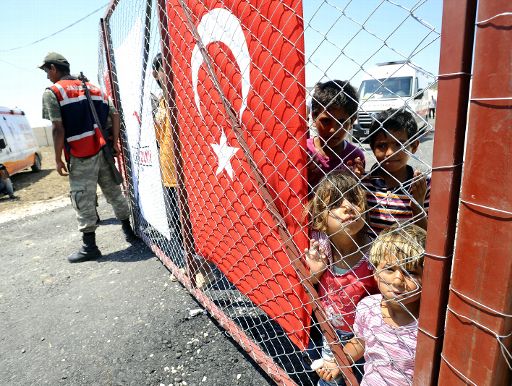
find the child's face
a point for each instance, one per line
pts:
(332, 126)
(160, 77)
(345, 218)
(390, 151)
(397, 284)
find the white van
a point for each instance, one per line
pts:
(392, 85)
(18, 145)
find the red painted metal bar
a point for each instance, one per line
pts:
(121, 158)
(111, 8)
(453, 93)
(124, 159)
(479, 321)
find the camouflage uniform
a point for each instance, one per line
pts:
(85, 174)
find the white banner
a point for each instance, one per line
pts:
(146, 176)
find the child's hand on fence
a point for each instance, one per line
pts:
(315, 173)
(329, 371)
(356, 166)
(419, 188)
(316, 258)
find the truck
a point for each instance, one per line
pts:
(18, 144)
(394, 85)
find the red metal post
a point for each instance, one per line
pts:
(479, 319)
(111, 8)
(453, 93)
(124, 159)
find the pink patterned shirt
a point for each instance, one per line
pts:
(340, 292)
(389, 351)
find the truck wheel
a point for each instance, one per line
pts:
(37, 164)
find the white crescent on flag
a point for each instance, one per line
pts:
(220, 25)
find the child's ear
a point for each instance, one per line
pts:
(414, 146)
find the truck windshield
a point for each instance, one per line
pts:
(386, 88)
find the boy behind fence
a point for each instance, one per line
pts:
(334, 110)
(395, 192)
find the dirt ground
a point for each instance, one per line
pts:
(119, 320)
(37, 187)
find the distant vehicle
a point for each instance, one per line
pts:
(392, 85)
(18, 144)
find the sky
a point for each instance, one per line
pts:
(25, 21)
(343, 38)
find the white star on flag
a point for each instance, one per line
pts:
(224, 153)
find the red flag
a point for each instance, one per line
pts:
(238, 75)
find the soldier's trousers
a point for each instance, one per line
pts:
(84, 176)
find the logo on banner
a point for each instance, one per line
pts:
(220, 25)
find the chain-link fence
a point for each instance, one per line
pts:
(278, 157)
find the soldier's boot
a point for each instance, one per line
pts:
(88, 251)
(129, 235)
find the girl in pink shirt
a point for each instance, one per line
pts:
(386, 325)
(337, 258)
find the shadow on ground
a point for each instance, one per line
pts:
(135, 252)
(24, 179)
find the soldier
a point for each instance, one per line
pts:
(76, 134)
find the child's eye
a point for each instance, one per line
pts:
(397, 146)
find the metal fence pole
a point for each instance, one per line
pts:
(125, 158)
(477, 344)
(454, 82)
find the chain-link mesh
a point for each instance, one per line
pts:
(291, 203)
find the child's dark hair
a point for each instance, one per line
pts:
(157, 62)
(393, 120)
(330, 193)
(334, 94)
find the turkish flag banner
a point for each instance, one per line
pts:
(238, 77)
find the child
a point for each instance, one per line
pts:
(334, 110)
(386, 325)
(5, 183)
(337, 258)
(395, 192)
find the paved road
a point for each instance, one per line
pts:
(116, 321)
